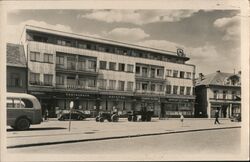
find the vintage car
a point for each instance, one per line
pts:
(75, 115)
(140, 115)
(111, 117)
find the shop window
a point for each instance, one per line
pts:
(182, 90)
(168, 89)
(175, 89)
(103, 64)
(121, 67)
(121, 85)
(130, 86)
(34, 56)
(48, 58)
(188, 90)
(175, 73)
(130, 68)
(112, 66)
(182, 73)
(48, 79)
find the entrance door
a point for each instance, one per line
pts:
(163, 111)
(224, 111)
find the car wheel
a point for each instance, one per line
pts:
(97, 119)
(101, 119)
(22, 124)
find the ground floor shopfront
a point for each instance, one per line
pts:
(92, 103)
(226, 109)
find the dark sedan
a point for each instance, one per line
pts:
(74, 116)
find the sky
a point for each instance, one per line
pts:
(210, 38)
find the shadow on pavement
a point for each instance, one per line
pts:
(37, 129)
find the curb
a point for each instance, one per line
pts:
(116, 137)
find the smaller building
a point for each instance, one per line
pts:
(218, 91)
(16, 69)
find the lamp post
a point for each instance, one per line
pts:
(71, 105)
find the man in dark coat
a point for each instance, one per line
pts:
(216, 117)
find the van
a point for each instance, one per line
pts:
(22, 110)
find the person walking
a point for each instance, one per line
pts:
(182, 119)
(216, 117)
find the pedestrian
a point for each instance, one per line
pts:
(216, 117)
(46, 114)
(182, 119)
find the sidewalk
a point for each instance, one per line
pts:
(56, 132)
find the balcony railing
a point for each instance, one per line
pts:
(75, 87)
(150, 92)
(39, 83)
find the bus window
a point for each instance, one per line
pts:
(13, 103)
(26, 103)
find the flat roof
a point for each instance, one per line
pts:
(103, 40)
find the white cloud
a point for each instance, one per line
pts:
(126, 34)
(230, 26)
(138, 17)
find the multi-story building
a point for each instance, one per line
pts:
(16, 69)
(218, 91)
(99, 74)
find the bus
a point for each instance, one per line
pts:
(22, 111)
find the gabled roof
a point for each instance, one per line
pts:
(15, 55)
(217, 78)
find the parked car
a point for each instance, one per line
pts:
(140, 115)
(236, 118)
(75, 115)
(111, 117)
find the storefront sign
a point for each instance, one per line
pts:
(177, 100)
(116, 97)
(77, 95)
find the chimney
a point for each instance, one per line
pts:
(218, 71)
(201, 76)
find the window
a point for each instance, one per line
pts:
(40, 38)
(34, 56)
(182, 90)
(71, 63)
(152, 87)
(175, 89)
(138, 86)
(130, 86)
(152, 75)
(91, 83)
(169, 72)
(168, 89)
(91, 64)
(121, 85)
(144, 86)
(137, 69)
(48, 58)
(103, 64)
(15, 80)
(102, 84)
(175, 73)
(60, 80)
(144, 72)
(215, 94)
(121, 67)
(159, 72)
(130, 68)
(182, 73)
(48, 79)
(112, 84)
(160, 88)
(64, 42)
(82, 64)
(233, 95)
(112, 66)
(188, 91)
(60, 60)
(81, 45)
(188, 75)
(35, 78)
(224, 94)
(19, 103)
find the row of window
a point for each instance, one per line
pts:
(149, 72)
(178, 74)
(35, 79)
(112, 66)
(36, 56)
(108, 48)
(225, 94)
(160, 88)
